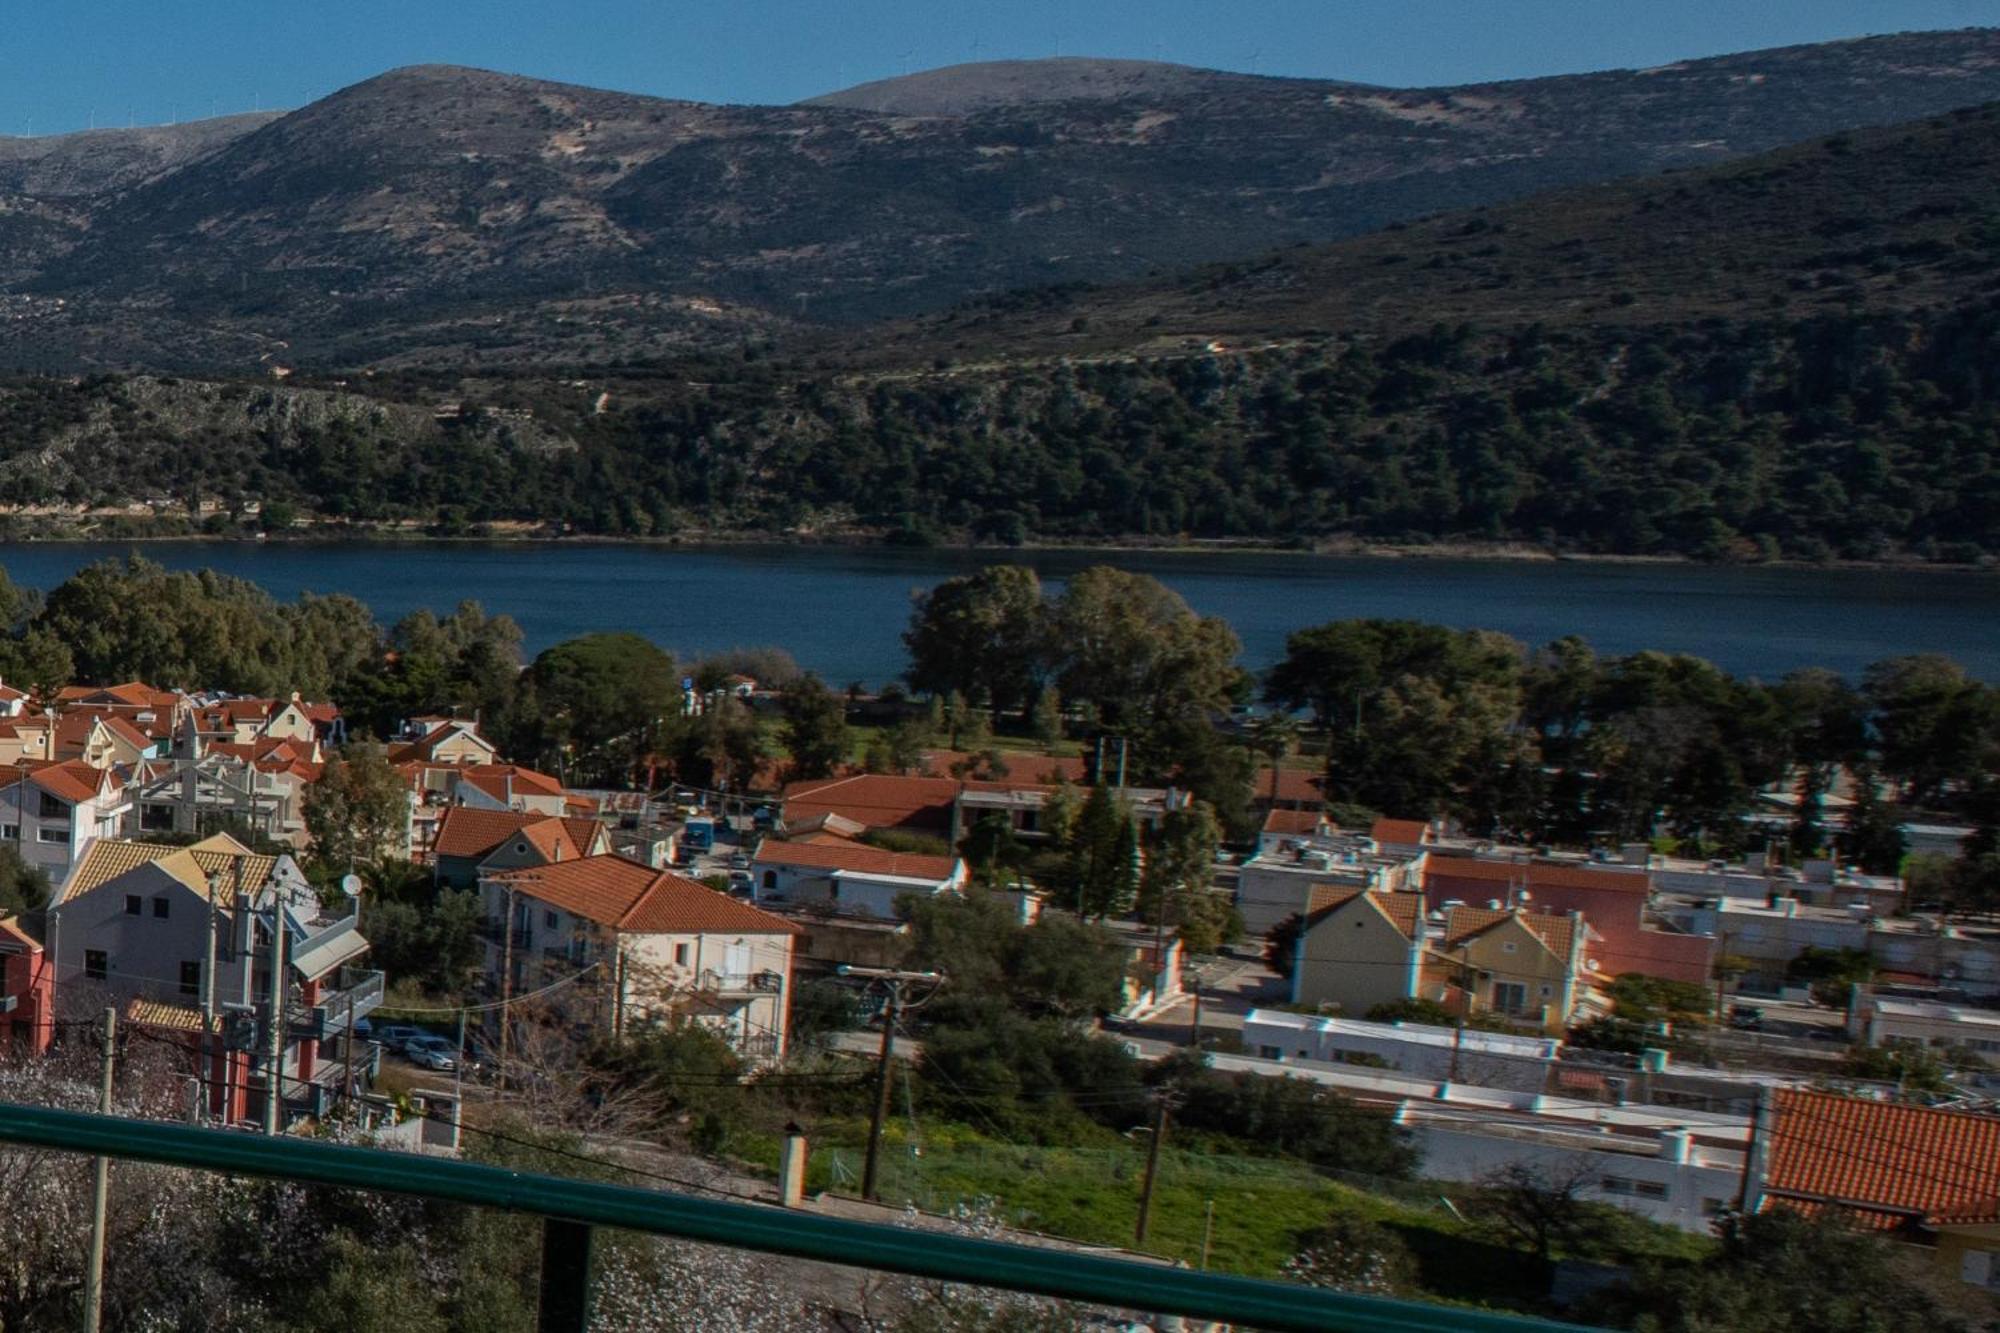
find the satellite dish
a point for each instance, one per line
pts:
(351, 885)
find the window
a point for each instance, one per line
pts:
(133, 905)
(1507, 947)
(10, 831)
(53, 807)
(156, 818)
(1510, 997)
(95, 965)
(680, 955)
(191, 978)
(549, 920)
(161, 907)
(46, 834)
(770, 879)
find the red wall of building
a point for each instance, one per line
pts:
(31, 982)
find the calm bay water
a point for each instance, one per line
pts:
(840, 610)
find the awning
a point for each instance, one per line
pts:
(329, 951)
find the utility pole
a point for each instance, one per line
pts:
(347, 1050)
(211, 1038)
(274, 1079)
(93, 1277)
(891, 1012)
(1152, 1170)
(895, 1004)
(506, 988)
(1194, 1032)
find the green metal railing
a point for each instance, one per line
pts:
(571, 1207)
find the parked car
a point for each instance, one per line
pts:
(396, 1036)
(432, 1052)
(1746, 1018)
(740, 881)
(739, 860)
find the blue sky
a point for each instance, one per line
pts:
(71, 63)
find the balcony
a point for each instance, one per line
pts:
(356, 994)
(496, 932)
(741, 983)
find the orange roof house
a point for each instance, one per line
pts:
(643, 944)
(877, 801)
(471, 841)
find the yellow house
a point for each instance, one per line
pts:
(1359, 949)
(1528, 966)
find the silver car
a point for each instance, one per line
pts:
(432, 1053)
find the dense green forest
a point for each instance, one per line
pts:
(1859, 437)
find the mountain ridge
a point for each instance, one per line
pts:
(441, 214)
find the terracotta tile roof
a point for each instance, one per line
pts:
(1299, 822)
(1401, 832)
(1404, 910)
(72, 780)
(875, 800)
(1534, 874)
(494, 780)
(628, 896)
(134, 692)
(1462, 924)
(109, 859)
(163, 1014)
(858, 857)
(125, 731)
(469, 833)
(157, 723)
(1895, 1162)
(1299, 785)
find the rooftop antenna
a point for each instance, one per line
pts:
(1256, 58)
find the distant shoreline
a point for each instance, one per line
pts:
(1337, 548)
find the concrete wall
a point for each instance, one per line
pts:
(1679, 1194)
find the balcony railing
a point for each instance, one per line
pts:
(741, 983)
(498, 933)
(571, 1208)
(356, 994)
